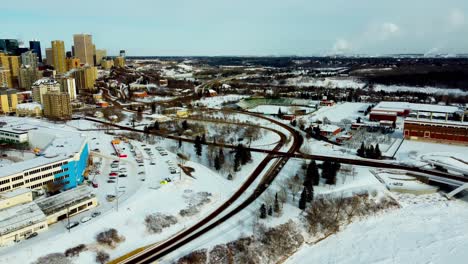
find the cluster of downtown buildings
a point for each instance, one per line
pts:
(31, 85)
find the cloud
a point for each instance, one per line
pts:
(341, 46)
(456, 18)
(390, 28)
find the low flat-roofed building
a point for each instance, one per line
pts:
(436, 130)
(12, 198)
(13, 134)
(382, 115)
(19, 221)
(329, 130)
(29, 109)
(405, 108)
(69, 203)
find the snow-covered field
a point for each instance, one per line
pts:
(337, 112)
(427, 229)
(273, 109)
(218, 101)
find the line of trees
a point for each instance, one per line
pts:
(370, 151)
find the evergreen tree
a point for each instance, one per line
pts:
(326, 169)
(236, 163)
(280, 114)
(180, 142)
(310, 194)
(263, 212)
(370, 152)
(153, 108)
(270, 211)
(221, 156)
(203, 139)
(358, 120)
(198, 146)
(313, 172)
(378, 153)
(294, 123)
(156, 125)
(277, 206)
(303, 199)
(361, 152)
(217, 164)
(185, 125)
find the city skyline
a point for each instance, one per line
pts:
(247, 28)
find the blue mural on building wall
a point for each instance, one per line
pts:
(75, 170)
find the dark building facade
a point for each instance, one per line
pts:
(35, 46)
(9, 46)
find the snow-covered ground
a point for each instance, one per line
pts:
(135, 196)
(337, 112)
(332, 83)
(273, 109)
(426, 90)
(427, 229)
(218, 101)
(419, 153)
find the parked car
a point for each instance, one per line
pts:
(141, 165)
(115, 161)
(123, 175)
(110, 181)
(85, 219)
(153, 163)
(72, 225)
(110, 197)
(113, 174)
(31, 235)
(95, 184)
(141, 173)
(96, 214)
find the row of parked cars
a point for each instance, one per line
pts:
(83, 220)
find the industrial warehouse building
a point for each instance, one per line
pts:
(20, 216)
(436, 130)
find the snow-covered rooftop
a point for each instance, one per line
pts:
(50, 205)
(17, 217)
(392, 106)
(14, 193)
(28, 106)
(57, 145)
(46, 81)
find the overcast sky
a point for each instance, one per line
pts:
(245, 27)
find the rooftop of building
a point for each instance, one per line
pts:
(8, 91)
(28, 106)
(57, 144)
(329, 128)
(401, 106)
(14, 193)
(20, 216)
(50, 205)
(437, 121)
(45, 81)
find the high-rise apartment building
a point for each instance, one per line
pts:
(5, 78)
(58, 56)
(8, 100)
(57, 105)
(106, 64)
(29, 58)
(27, 76)
(99, 55)
(35, 46)
(83, 48)
(122, 53)
(11, 63)
(43, 86)
(119, 62)
(85, 77)
(68, 85)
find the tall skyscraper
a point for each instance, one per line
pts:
(68, 85)
(12, 64)
(122, 53)
(84, 49)
(27, 76)
(49, 56)
(9, 46)
(35, 46)
(5, 78)
(8, 100)
(58, 56)
(119, 62)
